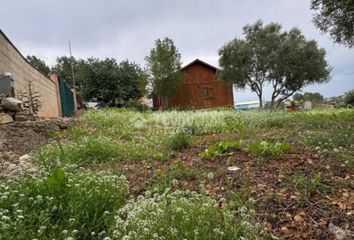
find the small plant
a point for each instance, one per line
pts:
(166, 179)
(179, 215)
(221, 149)
(30, 98)
(308, 187)
(267, 149)
(179, 140)
(233, 124)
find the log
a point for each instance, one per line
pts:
(12, 104)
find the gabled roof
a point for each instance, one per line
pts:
(200, 62)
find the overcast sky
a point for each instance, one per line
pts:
(127, 30)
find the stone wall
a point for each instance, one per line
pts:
(12, 61)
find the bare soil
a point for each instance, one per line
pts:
(20, 138)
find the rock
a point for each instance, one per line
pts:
(63, 125)
(5, 118)
(340, 233)
(23, 117)
(233, 169)
(24, 158)
(298, 218)
(12, 104)
(2, 96)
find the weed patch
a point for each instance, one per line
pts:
(60, 204)
(220, 149)
(267, 149)
(307, 187)
(180, 215)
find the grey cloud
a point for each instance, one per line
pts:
(127, 29)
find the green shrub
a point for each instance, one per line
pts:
(267, 149)
(349, 98)
(221, 149)
(135, 104)
(179, 140)
(179, 215)
(60, 204)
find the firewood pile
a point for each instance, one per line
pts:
(13, 109)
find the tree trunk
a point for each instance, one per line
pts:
(260, 101)
(166, 102)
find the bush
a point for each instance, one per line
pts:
(349, 98)
(61, 204)
(179, 140)
(135, 104)
(179, 215)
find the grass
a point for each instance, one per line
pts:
(308, 152)
(308, 187)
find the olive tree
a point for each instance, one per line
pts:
(335, 17)
(269, 56)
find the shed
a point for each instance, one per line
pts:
(200, 89)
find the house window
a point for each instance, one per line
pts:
(206, 92)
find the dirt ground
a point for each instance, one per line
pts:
(277, 206)
(20, 138)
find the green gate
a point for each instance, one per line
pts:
(66, 99)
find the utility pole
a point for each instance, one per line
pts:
(73, 77)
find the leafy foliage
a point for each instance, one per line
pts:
(349, 98)
(267, 149)
(221, 149)
(179, 140)
(335, 18)
(315, 98)
(111, 82)
(266, 55)
(39, 64)
(164, 65)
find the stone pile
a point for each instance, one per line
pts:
(12, 109)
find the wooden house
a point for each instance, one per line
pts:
(200, 89)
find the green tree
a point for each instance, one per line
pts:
(111, 82)
(267, 55)
(247, 62)
(164, 66)
(315, 98)
(39, 64)
(335, 17)
(298, 63)
(63, 68)
(349, 97)
(132, 81)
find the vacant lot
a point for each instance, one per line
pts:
(121, 174)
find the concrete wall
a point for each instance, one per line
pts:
(12, 61)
